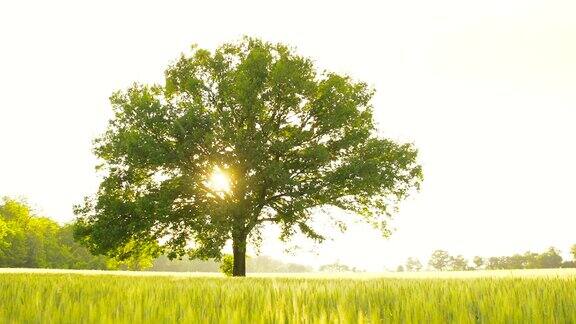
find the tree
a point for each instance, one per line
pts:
(458, 263)
(267, 264)
(4, 230)
(134, 256)
(568, 264)
(164, 264)
(280, 140)
(573, 252)
(440, 260)
(478, 262)
(413, 264)
(18, 250)
(551, 259)
(532, 260)
(335, 267)
(27, 240)
(493, 263)
(75, 256)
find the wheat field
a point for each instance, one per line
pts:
(49, 296)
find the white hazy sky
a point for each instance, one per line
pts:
(485, 89)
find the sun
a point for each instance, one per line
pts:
(219, 181)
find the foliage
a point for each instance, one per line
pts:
(135, 256)
(549, 259)
(459, 263)
(478, 262)
(162, 263)
(291, 140)
(413, 264)
(337, 267)
(27, 240)
(270, 265)
(568, 264)
(78, 298)
(227, 264)
(440, 260)
(4, 231)
(529, 260)
(30, 241)
(77, 256)
(257, 264)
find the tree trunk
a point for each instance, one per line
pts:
(239, 249)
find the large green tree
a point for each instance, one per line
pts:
(289, 139)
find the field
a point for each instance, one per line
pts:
(536, 296)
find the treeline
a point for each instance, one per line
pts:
(441, 260)
(338, 267)
(31, 241)
(257, 264)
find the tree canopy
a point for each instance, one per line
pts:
(30, 241)
(551, 258)
(413, 264)
(440, 260)
(289, 140)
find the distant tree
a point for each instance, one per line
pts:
(267, 264)
(400, 268)
(290, 139)
(29, 241)
(568, 264)
(14, 250)
(516, 261)
(493, 263)
(38, 242)
(76, 256)
(478, 262)
(573, 252)
(42, 240)
(458, 263)
(263, 264)
(162, 263)
(256, 264)
(440, 260)
(4, 230)
(334, 267)
(532, 260)
(551, 258)
(299, 268)
(413, 264)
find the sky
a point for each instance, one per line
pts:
(486, 90)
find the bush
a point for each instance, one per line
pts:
(227, 265)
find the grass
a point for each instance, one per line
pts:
(533, 296)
